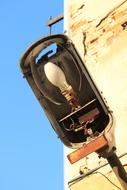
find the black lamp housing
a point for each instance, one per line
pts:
(73, 127)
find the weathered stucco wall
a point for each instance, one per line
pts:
(98, 26)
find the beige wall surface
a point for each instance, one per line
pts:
(96, 182)
(95, 26)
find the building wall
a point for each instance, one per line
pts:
(95, 26)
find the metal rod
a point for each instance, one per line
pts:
(50, 27)
(118, 169)
(55, 20)
(92, 171)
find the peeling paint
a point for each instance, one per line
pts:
(82, 6)
(106, 31)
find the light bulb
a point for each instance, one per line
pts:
(56, 76)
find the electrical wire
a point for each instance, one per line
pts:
(90, 172)
(96, 173)
(108, 180)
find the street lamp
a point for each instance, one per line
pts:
(71, 100)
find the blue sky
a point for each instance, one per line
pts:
(31, 155)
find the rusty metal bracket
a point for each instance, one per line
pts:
(87, 149)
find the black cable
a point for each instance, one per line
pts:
(91, 171)
(108, 179)
(96, 173)
(77, 180)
